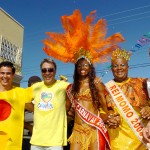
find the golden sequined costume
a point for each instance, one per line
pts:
(83, 133)
(89, 129)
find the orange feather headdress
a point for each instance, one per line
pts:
(81, 39)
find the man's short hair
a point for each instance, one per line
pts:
(48, 60)
(8, 64)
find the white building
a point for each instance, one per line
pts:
(11, 43)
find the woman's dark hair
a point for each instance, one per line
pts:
(8, 64)
(93, 89)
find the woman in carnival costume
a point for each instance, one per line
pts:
(83, 44)
(127, 96)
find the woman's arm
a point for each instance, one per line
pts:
(100, 87)
(68, 103)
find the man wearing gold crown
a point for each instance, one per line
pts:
(83, 43)
(128, 97)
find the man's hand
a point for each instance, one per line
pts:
(113, 120)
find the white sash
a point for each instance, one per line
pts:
(126, 109)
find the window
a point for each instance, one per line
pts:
(8, 51)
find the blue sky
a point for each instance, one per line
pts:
(129, 17)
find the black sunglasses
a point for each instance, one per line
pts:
(44, 70)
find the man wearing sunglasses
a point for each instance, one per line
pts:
(50, 121)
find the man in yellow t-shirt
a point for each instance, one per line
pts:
(50, 121)
(12, 103)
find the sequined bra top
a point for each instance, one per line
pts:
(84, 96)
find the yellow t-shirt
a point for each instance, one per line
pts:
(50, 122)
(12, 105)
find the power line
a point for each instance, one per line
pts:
(36, 69)
(129, 16)
(129, 10)
(146, 6)
(27, 71)
(143, 65)
(129, 20)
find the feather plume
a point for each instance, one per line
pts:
(81, 38)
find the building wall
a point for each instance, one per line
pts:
(11, 29)
(11, 42)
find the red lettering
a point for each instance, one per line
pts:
(141, 134)
(137, 125)
(119, 98)
(112, 87)
(136, 119)
(115, 91)
(129, 114)
(116, 94)
(126, 109)
(122, 103)
(139, 129)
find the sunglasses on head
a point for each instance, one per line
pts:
(44, 70)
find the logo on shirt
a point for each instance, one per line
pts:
(5, 110)
(46, 101)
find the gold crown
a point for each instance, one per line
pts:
(83, 54)
(120, 53)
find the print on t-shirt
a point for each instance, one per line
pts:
(46, 101)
